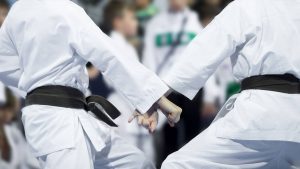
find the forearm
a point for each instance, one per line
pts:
(139, 85)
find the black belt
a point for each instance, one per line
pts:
(68, 97)
(286, 83)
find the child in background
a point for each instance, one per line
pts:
(145, 11)
(123, 24)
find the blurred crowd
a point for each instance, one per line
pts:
(155, 32)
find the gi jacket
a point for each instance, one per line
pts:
(49, 42)
(260, 37)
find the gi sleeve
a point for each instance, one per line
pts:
(139, 85)
(208, 50)
(10, 71)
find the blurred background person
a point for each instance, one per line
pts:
(207, 9)
(145, 10)
(214, 3)
(14, 151)
(11, 2)
(224, 3)
(167, 35)
(97, 85)
(120, 18)
(92, 8)
(4, 8)
(162, 5)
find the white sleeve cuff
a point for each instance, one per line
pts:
(152, 96)
(182, 88)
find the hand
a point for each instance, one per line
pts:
(148, 120)
(170, 110)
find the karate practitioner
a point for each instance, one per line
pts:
(44, 47)
(120, 17)
(14, 151)
(259, 128)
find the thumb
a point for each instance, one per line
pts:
(133, 116)
(153, 125)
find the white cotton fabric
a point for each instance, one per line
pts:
(261, 37)
(48, 42)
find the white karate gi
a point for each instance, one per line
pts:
(262, 129)
(215, 88)
(48, 42)
(134, 134)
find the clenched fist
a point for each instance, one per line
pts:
(149, 120)
(170, 110)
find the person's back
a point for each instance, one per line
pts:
(271, 30)
(261, 36)
(272, 37)
(40, 26)
(259, 127)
